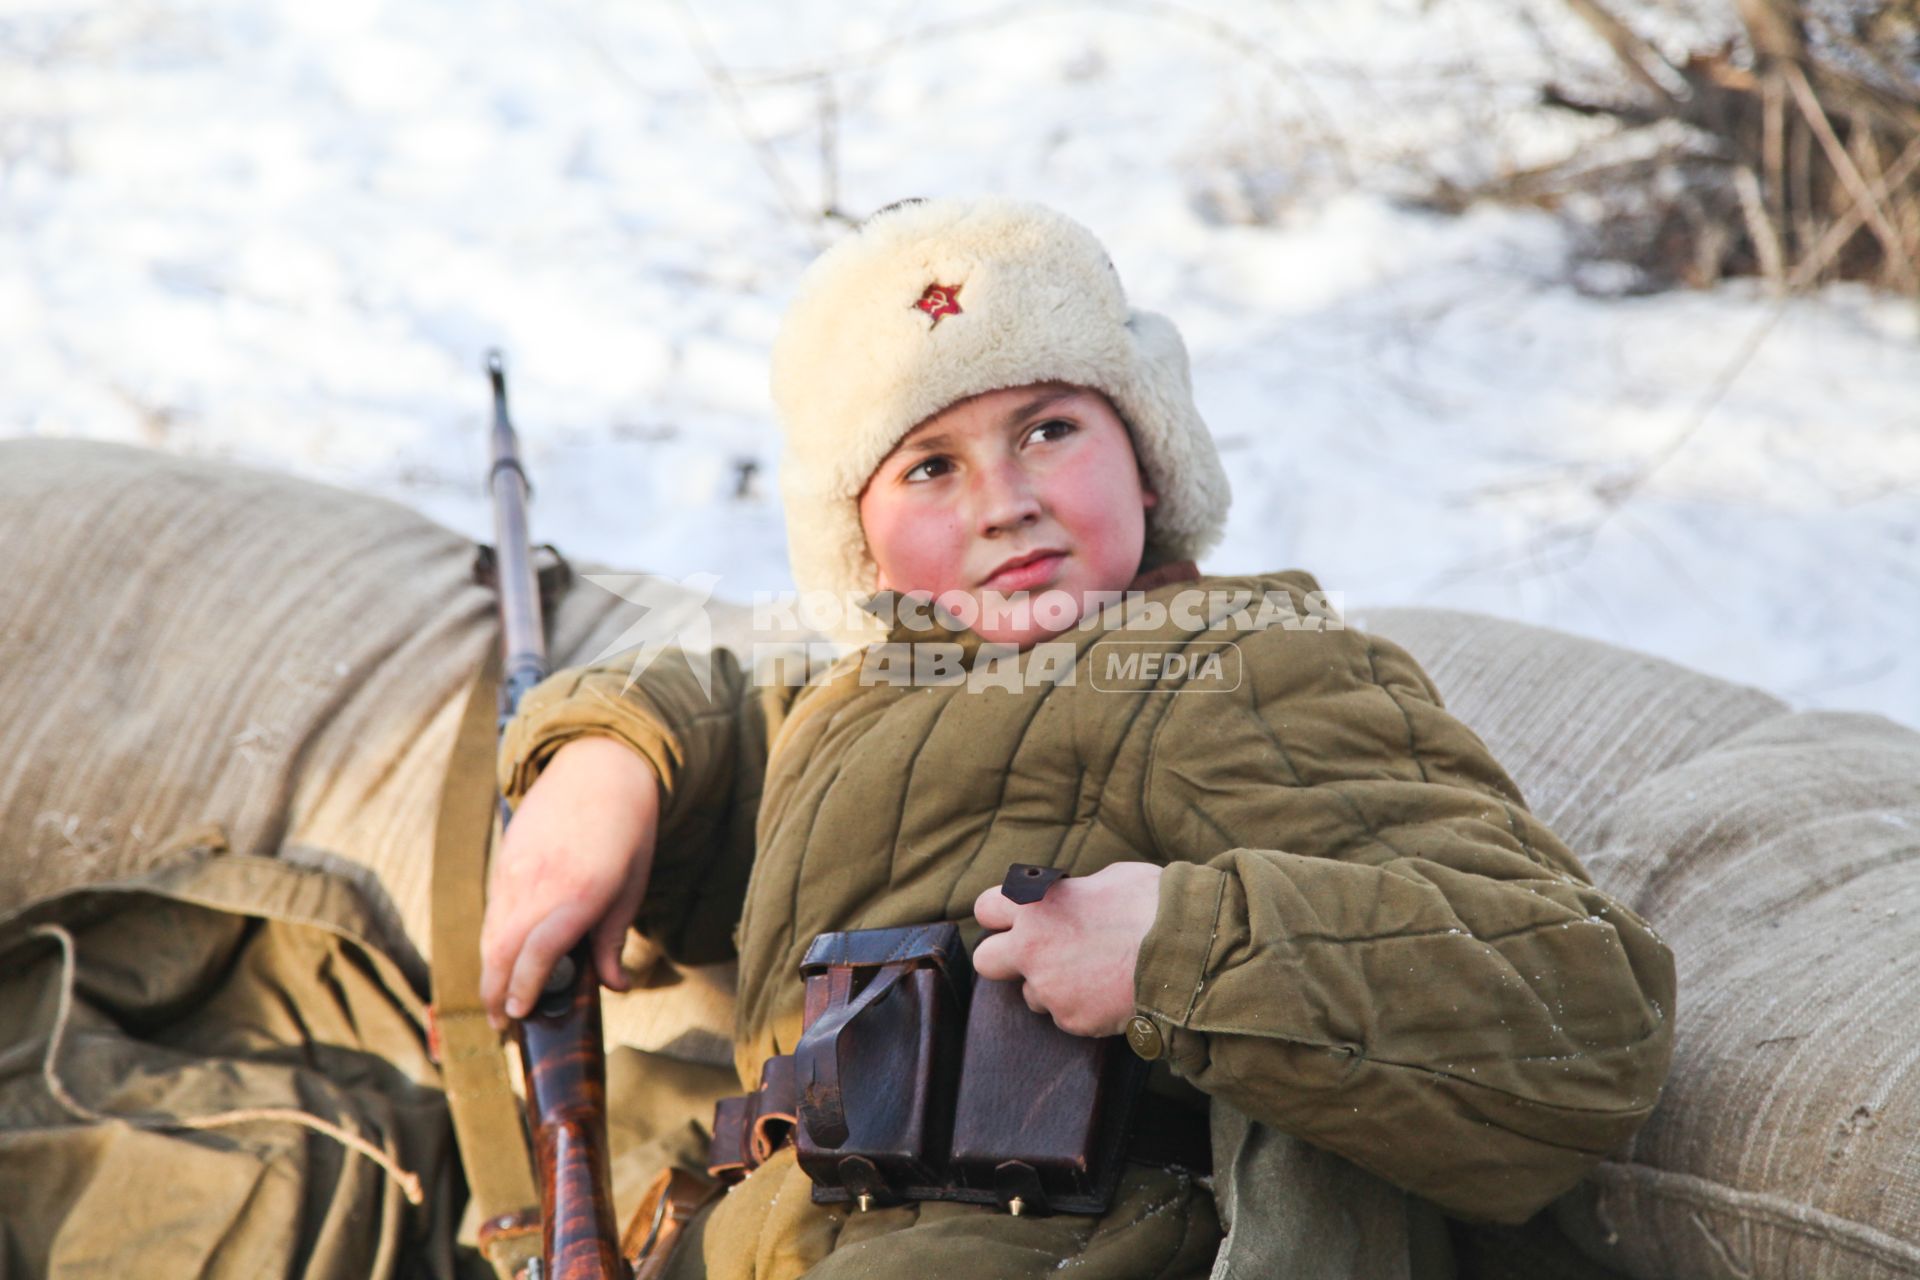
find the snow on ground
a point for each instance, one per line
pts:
(284, 233)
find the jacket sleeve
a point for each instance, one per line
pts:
(709, 746)
(1392, 958)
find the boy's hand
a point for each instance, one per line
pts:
(1076, 948)
(574, 861)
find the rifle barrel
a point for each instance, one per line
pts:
(524, 629)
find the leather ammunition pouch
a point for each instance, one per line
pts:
(915, 1080)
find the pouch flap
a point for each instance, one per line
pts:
(935, 946)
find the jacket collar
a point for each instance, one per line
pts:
(943, 627)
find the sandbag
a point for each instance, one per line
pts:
(1784, 869)
(186, 642)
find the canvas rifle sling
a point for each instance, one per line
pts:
(487, 1119)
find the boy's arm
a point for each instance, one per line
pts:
(1421, 979)
(709, 749)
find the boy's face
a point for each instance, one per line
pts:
(1045, 470)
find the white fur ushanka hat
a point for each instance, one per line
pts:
(933, 301)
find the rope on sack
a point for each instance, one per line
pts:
(408, 1182)
(1774, 1212)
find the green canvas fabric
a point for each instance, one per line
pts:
(216, 983)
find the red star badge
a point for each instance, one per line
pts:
(940, 300)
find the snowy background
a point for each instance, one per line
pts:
(283, 232)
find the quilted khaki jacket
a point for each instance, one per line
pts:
(1364, 938)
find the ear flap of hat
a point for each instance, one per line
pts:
(1176, 449)
(827, 549)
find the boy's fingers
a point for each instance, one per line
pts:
(493, 996)
(994, 958)
(546, 943)
(493, 993)
(994, 910)
(499, 948)
(609, 936)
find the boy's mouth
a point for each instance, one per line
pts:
(1024, 571)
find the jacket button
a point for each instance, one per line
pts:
(1144, 1038)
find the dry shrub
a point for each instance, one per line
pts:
(1790, 151)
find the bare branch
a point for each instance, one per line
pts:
(1856, 185)
(1855, 217)
(1773, 28)
(1635, 55)
(1766, 239)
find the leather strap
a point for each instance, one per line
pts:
(1027, 884)
(776, 1109)
(666, 1209)
(750, 1128)
(487, 1118)
(816, 1059)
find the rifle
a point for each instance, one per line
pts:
(561, 1051)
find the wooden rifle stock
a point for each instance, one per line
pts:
(566, 1072)
(560, 1046)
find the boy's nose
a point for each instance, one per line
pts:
(1006, 500)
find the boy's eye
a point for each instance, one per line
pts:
(913, 471)
(1057, 428)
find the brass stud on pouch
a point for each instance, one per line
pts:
(863, 1202)
(1016, 1206)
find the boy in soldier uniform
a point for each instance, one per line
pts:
(1296, 883)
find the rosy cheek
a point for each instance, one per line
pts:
(876, 528)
